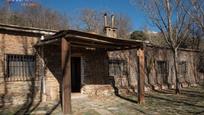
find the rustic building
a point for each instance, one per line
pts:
(40, 65)
(159, 71)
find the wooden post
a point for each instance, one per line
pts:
(141, 78)
(66, 76)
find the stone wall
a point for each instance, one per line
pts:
(52, 59)
(17, 91)
(154, 80)
(126, 83)
(25, 91)
(95, 67)
(94, 71)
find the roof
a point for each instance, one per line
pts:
(85, 39)
(17, 28)
(166, 47)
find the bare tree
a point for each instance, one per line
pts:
(173, 23)
(123, 24)
(5, 13)
(93, 22)
(195, 37)
(33, 15)
(195, 9)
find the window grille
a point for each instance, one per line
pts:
(117, 67)
(19, 67)
(162, 67)
(182, 67)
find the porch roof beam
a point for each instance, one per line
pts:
(83, 39)
(116, 42)
(48, 42)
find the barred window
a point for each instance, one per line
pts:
(182, 67)
(117, 67)
(20, 67)
(162, 67)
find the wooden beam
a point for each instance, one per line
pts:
(83, 45)
(105, 38)
(47, 42)
(113, 42)
(66, 76)
(141, 78)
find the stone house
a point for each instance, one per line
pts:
(33, 61)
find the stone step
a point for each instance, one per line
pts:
(78, 95)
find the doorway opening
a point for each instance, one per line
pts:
(76, 74)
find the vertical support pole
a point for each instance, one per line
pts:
(66, 76)
(141, 78)
(43, 75)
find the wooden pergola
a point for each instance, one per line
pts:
(72, 38)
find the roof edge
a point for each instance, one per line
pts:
(90, 34)
(166, 47)
(27, 29)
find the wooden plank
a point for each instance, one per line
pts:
(116, 42)
(141, 78)
(66, 76)
(105, 38)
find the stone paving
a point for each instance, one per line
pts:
(189, 102)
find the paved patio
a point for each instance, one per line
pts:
(190, 102)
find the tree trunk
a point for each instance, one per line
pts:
(175, 51)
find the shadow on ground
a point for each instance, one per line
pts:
(190, 101)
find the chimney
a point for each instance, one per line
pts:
(105, 20)
(112, 21)
(110, 31)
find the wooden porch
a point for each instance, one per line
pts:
(76, 39)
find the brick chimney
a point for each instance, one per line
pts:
(110, 31)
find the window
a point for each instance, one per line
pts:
(201, 65)
(182, 67)
(20, 67)
(117, 67)
(162, 67)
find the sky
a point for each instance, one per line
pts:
(73, 7)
